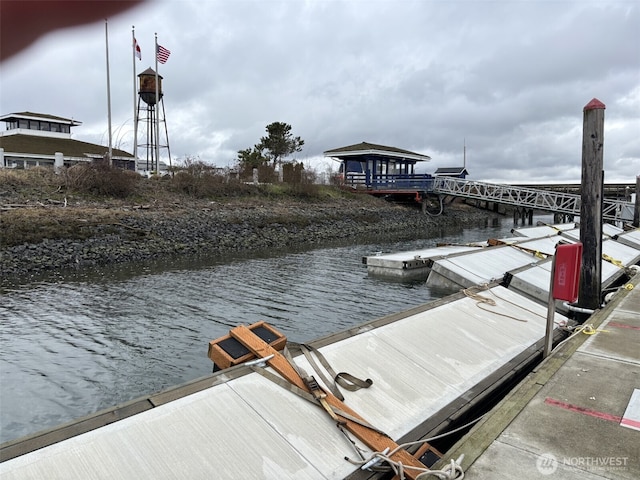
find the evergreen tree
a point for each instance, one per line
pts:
(251, 158)
(279, 142)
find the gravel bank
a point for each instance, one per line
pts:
(214, 229)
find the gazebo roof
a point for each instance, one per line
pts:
(366, 148)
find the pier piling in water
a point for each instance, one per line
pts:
(523, 214)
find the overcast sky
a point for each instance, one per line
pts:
(509, 78)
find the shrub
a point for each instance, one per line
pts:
(207, 183)
(99, 178)
(195, 184)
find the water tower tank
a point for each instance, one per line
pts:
(147, 89)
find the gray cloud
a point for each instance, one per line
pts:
(508, 78)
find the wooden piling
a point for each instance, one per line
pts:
(591, 205)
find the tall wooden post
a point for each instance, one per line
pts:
(591, 205)
(636, 210)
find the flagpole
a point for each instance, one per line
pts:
(135, 108)
(106, 34)
(157, 112)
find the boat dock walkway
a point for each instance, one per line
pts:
(576, 416)
(431, 366)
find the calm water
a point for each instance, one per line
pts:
(76, 345)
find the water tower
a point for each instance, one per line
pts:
(156, 136)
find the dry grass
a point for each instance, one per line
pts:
(33, 225)
(34, 177)
(37, 204)
(99, 183)
(100, 179)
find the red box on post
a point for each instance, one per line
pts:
(566, 279)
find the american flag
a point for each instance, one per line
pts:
(162, 54)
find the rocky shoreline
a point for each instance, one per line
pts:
(140, 235)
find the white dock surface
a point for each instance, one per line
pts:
(395, 264)
(544, 245)
(422, 253)
(477, 268)
(631, 238)
(534, 281)
(608, 230)
(542, 230)
(249, 427)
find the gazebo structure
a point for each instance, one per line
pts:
(381, 170)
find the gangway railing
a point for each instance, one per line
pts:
(399, 182)
(557, 202)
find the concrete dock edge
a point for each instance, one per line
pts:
(487, 430)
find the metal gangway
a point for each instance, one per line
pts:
(556, 202)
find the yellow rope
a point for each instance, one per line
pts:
(612, 260)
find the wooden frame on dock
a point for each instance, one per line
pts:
(227, 352)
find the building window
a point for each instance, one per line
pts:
(55, 127)
(46, 126)
(23, 124)
(65, 129)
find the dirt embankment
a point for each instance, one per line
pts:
(54, 234)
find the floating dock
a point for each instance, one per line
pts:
(432, 368)
(533, 281)
(522, 263)
(476, 268)
(630, 238)
(576, 416)
(411, 264)
(543, 230)
(539, 241)
(608, 230)
(429, 365)
(541, 247)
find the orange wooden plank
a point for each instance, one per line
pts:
(280, 364)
